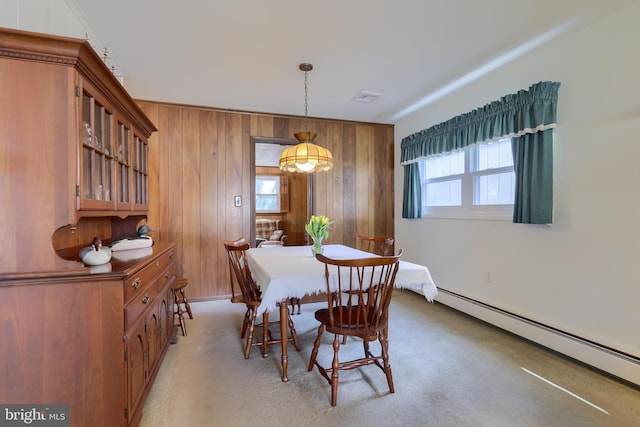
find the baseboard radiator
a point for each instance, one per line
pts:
(611, 361)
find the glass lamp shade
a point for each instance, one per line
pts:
(306, 157)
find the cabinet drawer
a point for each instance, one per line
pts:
(164, 261)
(166, 277)
(143, 299)
(137, 282)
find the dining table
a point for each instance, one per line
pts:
(285, 272)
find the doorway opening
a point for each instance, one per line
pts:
(295, 190)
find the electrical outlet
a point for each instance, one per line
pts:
(237, 201)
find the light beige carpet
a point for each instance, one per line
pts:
(448, 369)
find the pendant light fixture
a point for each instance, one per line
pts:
(306, 157)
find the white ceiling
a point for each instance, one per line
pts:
(244, 54)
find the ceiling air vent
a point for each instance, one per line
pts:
(367, 97)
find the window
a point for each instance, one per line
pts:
(268, 193)
(476, 182)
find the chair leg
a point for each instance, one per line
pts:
(294, 334)
(265, 334)
(246, 322)
(180, 314)
(249, 343)
(335, 368)
(294, 302)
(384, 343)
(182, 324)
(316, 344)
(186, 303)
(367, 352)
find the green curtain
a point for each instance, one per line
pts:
(412, 200)
(523, 113)
(533, 165)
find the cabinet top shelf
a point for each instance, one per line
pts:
(117, 269)
(79, 54)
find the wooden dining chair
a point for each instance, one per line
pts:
(378, 245)
(250, 295)
(233, 282)
(358, 295)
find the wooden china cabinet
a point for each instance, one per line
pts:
(74, 163)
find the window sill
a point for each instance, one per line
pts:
(501, 213)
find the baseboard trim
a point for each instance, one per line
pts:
(213, 298)
(611, 361)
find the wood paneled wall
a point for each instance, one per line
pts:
(200, 158)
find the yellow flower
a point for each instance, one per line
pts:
(318, 226)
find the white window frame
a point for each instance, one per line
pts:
(467, 209)
(277, 194)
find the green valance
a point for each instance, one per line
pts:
(527, 111)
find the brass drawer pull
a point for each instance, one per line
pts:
(145, 299)
(136, 283)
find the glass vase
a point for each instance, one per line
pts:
(316, 248)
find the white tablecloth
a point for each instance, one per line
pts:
(293, 272)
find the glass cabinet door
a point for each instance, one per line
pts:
(140, 170)
(96, 187)
(113, 175)
(124, 166)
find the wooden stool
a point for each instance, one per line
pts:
(181, 299)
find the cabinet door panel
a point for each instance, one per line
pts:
(153, 325)
(136, 365)
(96, 139)
(163, 316)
